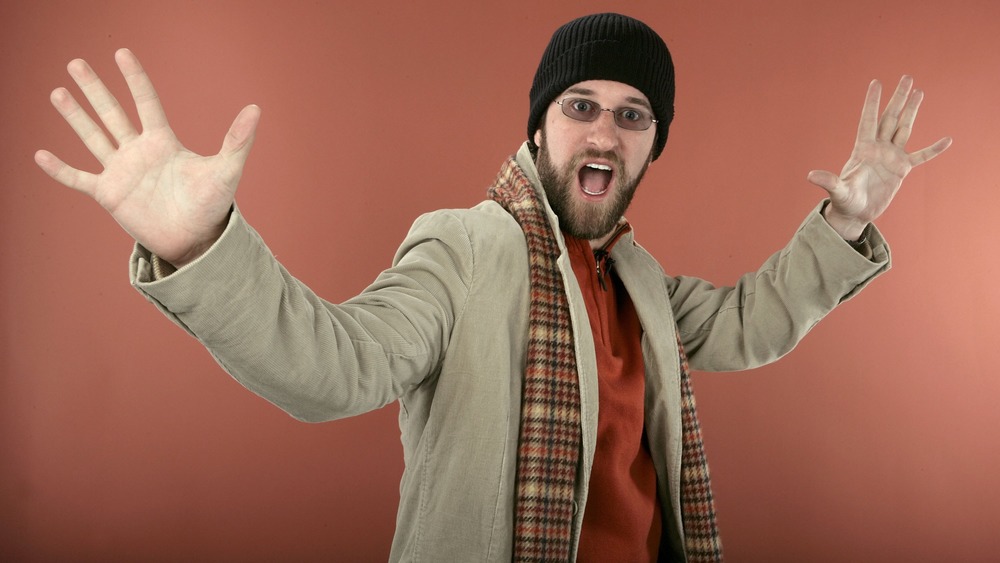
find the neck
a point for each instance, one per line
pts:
(604, 242)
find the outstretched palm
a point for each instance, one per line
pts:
(879, 162)
(171, 200)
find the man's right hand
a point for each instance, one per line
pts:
(172, 201)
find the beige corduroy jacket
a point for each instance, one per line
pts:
(443, 330)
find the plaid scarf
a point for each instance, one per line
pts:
(701, 533)
(549, 445)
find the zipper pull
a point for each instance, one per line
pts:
(602, 256)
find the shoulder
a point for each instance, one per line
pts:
(486, 224)
(484, 230)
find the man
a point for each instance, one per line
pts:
(536, 351)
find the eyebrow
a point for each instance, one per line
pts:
(588, 92)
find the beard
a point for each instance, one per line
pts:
(583, 219)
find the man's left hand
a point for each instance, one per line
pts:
(879, 162)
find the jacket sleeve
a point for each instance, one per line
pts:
(769, 311)
(314, 359)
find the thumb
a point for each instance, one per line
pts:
(824, 179)
(241, 133)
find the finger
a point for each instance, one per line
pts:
(81, 123)
(64, 174)
(824, 179)
(869, 113)
(907, 118)
(890, 117)
(926, 154)
(241, 133)
(147, 102)
(104, 104)
(236, 146)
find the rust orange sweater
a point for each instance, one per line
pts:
(622, 521)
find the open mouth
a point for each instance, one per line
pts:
(595, 179)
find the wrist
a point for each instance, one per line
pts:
(849, 228)
(190, 256)
(201, 246)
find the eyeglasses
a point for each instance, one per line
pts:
(582, 109)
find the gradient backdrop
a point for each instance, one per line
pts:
(876, 440)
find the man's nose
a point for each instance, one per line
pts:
(604, 131)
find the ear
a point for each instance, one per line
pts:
(538, 137)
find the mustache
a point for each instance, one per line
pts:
(591, 154)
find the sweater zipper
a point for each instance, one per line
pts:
(603, 258)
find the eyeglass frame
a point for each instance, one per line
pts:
(614, 112)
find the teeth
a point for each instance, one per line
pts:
(604, 167)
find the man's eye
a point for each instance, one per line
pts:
(582, 106)
(630, 114)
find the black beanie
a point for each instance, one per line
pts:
(606, 47)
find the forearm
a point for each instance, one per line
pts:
(769, 311)
(313, 359)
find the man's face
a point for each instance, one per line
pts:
(590, 170)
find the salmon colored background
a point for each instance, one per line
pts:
(877, 439)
